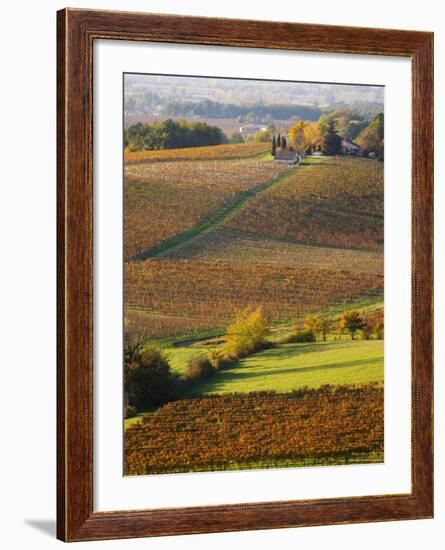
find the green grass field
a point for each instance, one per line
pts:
(290, 366)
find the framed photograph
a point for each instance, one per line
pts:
(245, 228)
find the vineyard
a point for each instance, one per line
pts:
(230, 246)
(215, 152)
(338, 202)
(209, 293)
(331, 425)
(157, 325)
(161, 203)
(209, 232)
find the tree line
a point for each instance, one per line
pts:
(245, 113)
(172, 134)
(327, 135)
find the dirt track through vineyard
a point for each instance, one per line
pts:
(213, 221)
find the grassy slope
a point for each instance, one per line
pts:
(291, 366)
(178, 357)
(179, 350)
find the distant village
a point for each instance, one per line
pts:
(287, 153)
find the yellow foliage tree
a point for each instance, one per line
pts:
(311, 323)
(304, 134)
(246, 334)
(319, 326)
(312, 134)
(370, 139)
(297, 135)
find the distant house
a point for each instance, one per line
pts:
(251, 129)
(349, 147)
(287, 157)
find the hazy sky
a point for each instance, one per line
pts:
(250, 91)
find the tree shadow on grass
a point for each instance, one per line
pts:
(292, 350)
(230, 376)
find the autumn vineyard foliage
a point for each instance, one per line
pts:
(153, 193)
(212, 232)
(331, 425)
(338, 202)
(200, 290)
(231, 246)
(215, 152)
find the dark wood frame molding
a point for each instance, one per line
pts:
(76, 32)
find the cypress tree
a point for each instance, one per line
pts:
(283, 143)
(274, 146)
(279, 141)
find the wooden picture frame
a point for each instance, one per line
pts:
(77, 31)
